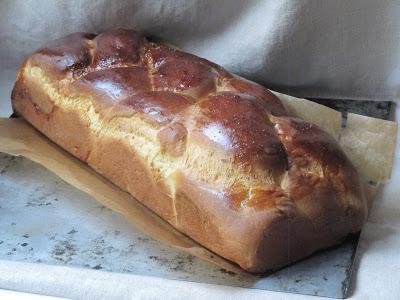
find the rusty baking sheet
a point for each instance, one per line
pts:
(45, 220)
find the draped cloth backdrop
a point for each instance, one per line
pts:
(307, 48)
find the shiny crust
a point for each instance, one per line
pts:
(215, 155)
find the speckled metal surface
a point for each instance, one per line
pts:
(376, 109)
(45, 220)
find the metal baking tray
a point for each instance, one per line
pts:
(45, 220)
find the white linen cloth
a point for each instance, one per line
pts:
(307, 48)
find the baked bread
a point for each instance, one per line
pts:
(213, 154)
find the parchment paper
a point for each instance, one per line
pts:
(368, 142)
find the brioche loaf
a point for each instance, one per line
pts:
(215, 155)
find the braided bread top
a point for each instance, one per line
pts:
(257, 155)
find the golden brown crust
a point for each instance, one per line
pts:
(215, 155)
